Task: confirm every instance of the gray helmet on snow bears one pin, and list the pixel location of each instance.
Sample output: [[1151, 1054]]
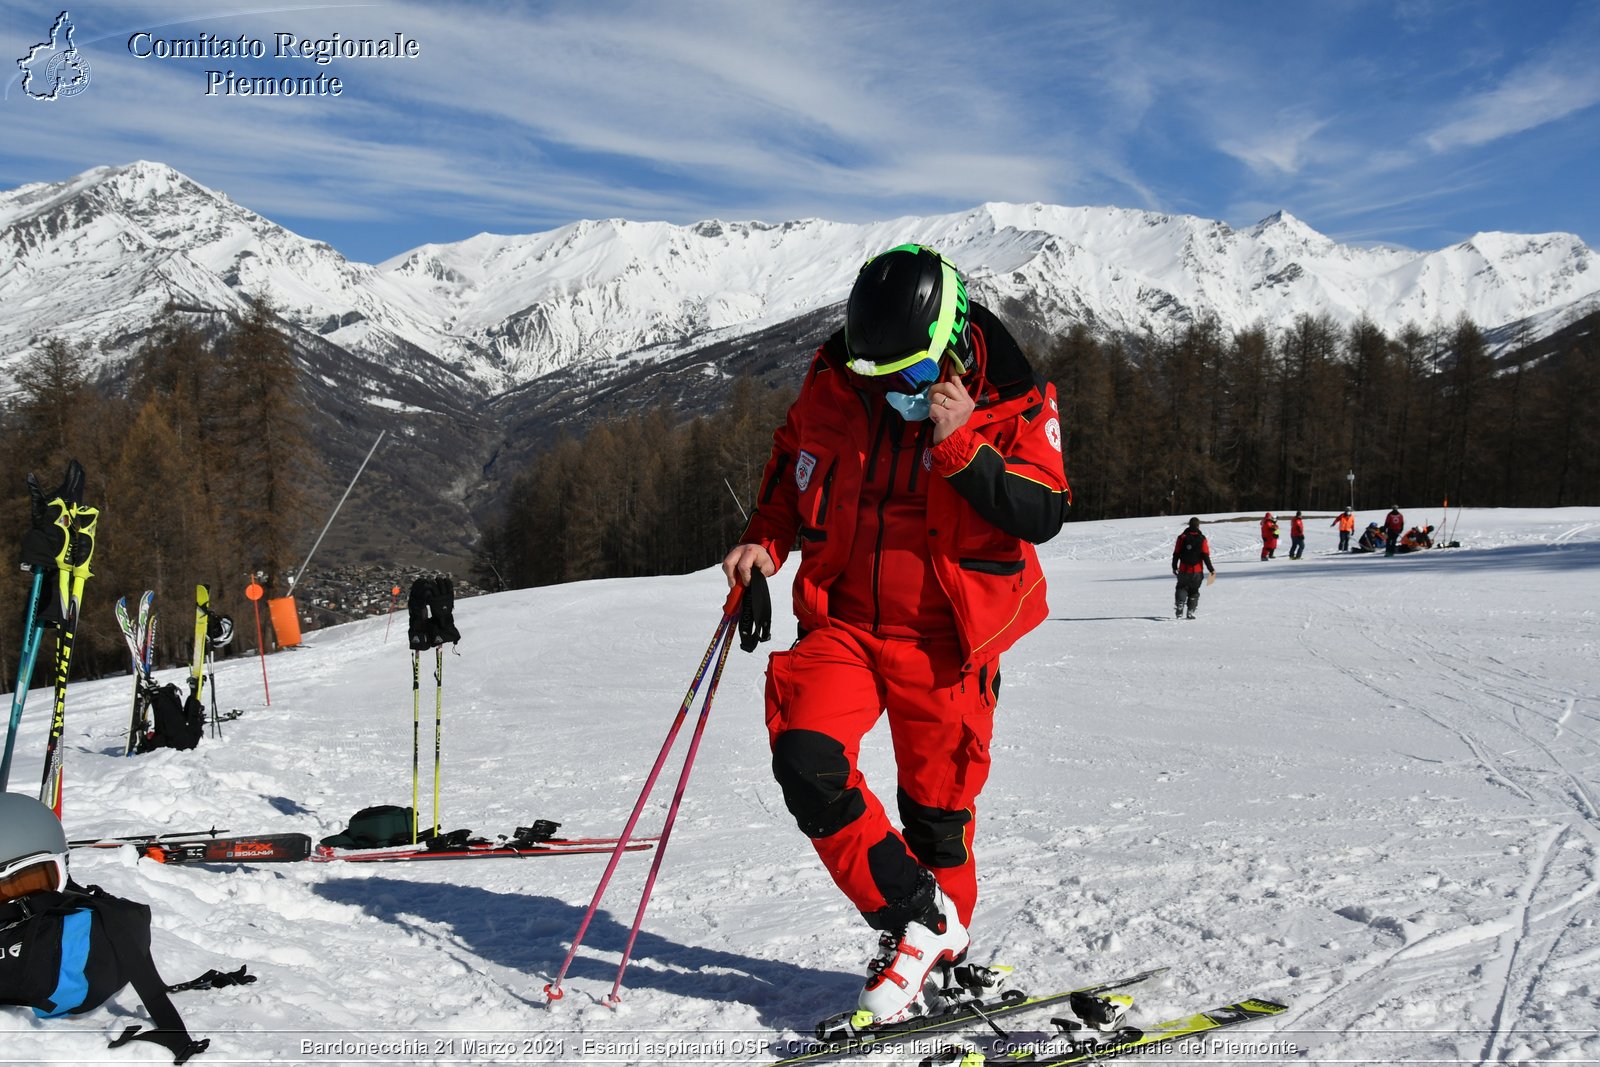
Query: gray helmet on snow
[[30, 836]]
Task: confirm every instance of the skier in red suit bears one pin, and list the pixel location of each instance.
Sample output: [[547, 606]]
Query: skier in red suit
[[918, 467], [1269, 536], [1394, 528]]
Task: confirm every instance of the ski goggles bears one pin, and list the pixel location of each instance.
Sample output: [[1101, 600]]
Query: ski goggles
[[40, 872], [952, 316]]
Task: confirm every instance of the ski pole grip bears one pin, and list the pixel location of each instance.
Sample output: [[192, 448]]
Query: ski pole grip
[[730, 606]]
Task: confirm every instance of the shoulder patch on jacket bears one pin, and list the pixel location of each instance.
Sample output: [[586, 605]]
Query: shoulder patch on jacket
[[803, 468]]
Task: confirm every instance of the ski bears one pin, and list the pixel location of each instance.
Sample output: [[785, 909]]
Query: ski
[[80, 522], [257, 848], [144, 839], [197, 657], [483, 852], [141, 639], [1127, 1041], [962, 1014]]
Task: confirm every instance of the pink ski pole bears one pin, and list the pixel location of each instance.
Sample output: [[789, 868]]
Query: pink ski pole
[[672, 816], [552, 989]]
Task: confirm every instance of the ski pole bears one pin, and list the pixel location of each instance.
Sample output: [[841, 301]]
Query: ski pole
[[672, 816], [438, 728], [30, 650], [416, 738], [552, 989], [211, 677]]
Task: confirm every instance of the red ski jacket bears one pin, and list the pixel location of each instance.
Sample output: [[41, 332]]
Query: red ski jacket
[[1297, 527], [997, 487]]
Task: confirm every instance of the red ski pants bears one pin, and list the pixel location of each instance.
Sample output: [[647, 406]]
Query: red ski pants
[[823, 696]]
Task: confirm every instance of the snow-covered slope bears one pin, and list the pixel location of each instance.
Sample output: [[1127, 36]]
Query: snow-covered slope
[[1363, 786], [93, 258]]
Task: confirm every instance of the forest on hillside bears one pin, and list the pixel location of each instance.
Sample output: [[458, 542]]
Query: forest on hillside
[[1203, 421], [195, 456]]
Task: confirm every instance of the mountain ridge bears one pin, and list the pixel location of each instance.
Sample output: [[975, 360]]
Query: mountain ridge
[[479, 351]]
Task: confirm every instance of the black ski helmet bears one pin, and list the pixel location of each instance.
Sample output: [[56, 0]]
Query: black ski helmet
[[907, 304], [30, 835]]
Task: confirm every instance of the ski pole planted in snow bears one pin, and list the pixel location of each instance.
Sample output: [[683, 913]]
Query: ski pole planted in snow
[[724, 635]]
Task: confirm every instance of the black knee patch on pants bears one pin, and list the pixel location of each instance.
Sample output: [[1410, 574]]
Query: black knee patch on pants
[[812, 770], [936, 836]]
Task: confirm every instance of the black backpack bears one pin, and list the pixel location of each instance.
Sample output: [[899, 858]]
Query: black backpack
[[178, 723], [67, 953], [1192, 548]]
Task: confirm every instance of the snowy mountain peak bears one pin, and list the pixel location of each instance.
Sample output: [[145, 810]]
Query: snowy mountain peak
[[1284, 229], [98, 255]]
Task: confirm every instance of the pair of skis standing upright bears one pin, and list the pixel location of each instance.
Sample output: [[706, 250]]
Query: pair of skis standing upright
[[212, 631], [56, 550]]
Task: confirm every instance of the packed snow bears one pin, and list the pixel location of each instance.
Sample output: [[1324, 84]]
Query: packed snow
[[1368, 788]]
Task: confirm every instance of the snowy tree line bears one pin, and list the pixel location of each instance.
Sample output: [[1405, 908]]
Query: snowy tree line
[[195, 457]]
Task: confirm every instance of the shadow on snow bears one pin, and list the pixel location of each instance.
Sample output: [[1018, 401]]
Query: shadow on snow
[[531, 934]]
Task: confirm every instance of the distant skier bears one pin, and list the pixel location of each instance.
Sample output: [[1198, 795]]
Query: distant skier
[[1191, 558], [1394, 527], [917, 468], [1347, 526], [1269, 536], [1297, 536]]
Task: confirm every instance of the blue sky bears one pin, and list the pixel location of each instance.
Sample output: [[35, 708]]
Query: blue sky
[[1413, 122]]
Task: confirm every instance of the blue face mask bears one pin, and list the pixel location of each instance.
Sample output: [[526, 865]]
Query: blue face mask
[[913, 407]]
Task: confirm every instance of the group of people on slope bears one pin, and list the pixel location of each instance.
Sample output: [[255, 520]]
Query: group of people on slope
[[1191, 555], [1269, 536]]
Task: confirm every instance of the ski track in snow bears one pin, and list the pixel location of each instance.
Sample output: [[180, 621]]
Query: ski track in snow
[[1366, 787]]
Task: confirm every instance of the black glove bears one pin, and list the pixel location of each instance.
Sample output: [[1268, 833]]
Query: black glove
[[755, 612]]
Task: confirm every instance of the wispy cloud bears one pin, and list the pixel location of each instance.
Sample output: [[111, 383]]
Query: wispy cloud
[[1526, 98], [521, 117]]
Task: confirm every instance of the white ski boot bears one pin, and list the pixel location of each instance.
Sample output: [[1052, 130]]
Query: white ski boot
[[905, 958]]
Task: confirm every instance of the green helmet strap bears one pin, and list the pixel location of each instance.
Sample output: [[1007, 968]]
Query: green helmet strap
[[952, 319]]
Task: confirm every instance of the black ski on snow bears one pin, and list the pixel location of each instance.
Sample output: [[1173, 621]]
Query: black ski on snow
[[216, 846], [486, 851], [1126, 1041], [964, 1014]]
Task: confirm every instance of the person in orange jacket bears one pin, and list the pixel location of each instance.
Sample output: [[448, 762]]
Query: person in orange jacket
[[1269, 536], [1347, 526], [917, 468]]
